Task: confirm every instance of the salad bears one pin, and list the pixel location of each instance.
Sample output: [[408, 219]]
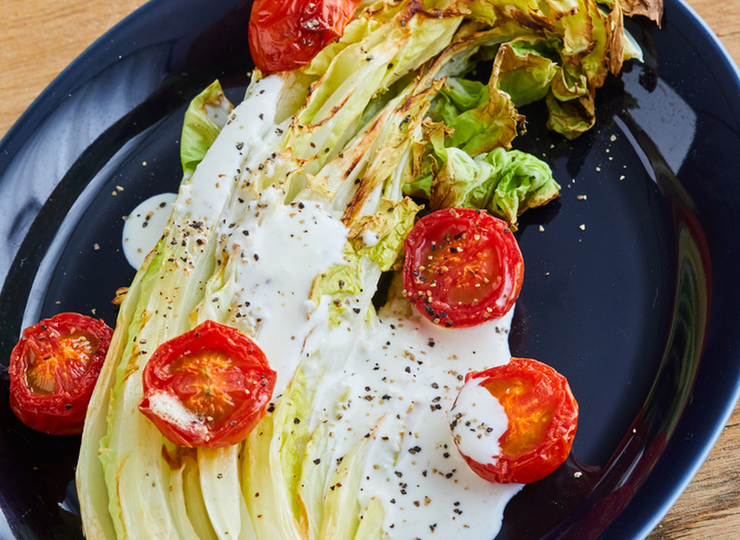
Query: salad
[[306, 240]]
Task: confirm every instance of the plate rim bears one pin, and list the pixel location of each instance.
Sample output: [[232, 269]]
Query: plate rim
[[684, 479]]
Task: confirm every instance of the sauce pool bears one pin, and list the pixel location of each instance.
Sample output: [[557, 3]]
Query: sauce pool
[[144, 226]]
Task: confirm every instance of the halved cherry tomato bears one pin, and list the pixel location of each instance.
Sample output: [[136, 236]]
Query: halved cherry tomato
[[462, 267], [542, 420], [286, 34], [207, 387], [53, 370]]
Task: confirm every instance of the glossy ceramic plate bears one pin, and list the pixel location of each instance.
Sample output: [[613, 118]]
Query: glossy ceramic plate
[[630, 286]]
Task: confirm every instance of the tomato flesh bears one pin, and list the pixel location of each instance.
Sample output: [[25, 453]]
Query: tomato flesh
[[542, 420], [287, 34], [207, 387], [462, 267], [205, 382], [53, 370]]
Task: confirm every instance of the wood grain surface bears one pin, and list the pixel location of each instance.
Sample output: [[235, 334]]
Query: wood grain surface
[[39, 38]]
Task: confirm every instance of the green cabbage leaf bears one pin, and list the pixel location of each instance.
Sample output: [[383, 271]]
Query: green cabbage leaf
[[504, 182]]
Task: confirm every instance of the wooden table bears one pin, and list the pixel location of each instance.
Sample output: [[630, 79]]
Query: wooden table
[[38, 38]]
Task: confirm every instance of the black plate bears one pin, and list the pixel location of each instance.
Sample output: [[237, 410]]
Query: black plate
[[621, 270]]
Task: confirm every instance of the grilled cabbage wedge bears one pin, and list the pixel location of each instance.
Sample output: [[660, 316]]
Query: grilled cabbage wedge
[[385, 112]]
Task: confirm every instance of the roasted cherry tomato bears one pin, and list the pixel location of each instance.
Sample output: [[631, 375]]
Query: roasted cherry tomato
[[207, 387], [53, 370], [286, 34], [462, 267], [542, 419]]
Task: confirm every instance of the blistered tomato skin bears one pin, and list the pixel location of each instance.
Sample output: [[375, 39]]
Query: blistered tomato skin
[[462, 267], [207, 387], [542, 415], [53, 370], [287, 34]]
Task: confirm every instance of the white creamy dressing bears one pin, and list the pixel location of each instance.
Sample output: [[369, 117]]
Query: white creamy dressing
[[388, 384], [167, 406], [277, 251], [144, 226], [394, 385], [479, 421], [369, 238], [246, 140]]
